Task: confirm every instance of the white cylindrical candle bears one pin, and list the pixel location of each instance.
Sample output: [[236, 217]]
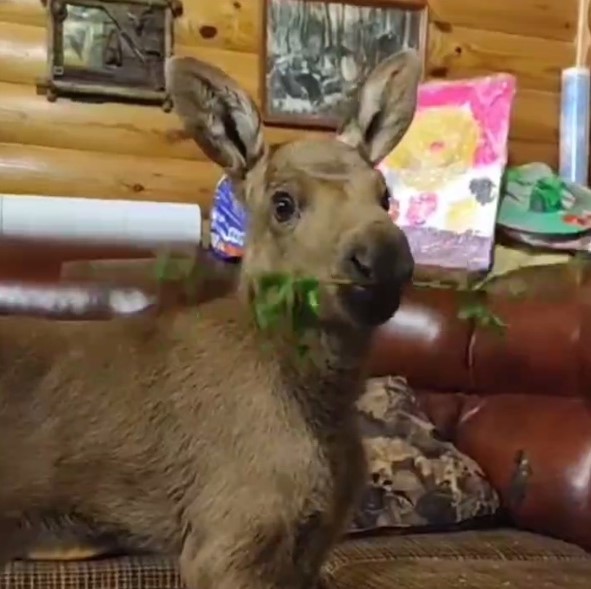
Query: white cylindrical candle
[[98, 222], [574, 125]]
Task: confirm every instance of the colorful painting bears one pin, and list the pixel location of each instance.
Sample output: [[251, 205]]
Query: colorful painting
[[445, 175]]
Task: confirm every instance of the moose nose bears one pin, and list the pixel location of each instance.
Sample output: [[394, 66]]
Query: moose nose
[[361, 265], [391, 263]]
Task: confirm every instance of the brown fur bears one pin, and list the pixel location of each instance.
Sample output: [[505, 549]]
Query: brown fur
[[194, 432]]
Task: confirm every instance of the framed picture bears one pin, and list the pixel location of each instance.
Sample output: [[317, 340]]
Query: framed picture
[[109, 48], [316, 53]]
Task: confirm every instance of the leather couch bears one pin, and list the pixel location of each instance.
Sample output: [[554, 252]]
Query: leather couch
[[518, 402]]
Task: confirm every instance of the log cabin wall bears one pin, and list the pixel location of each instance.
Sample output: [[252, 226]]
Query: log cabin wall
[[120, 151]]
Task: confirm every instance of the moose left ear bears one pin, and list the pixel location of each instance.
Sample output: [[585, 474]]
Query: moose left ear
[[217, 113], [385, 106]]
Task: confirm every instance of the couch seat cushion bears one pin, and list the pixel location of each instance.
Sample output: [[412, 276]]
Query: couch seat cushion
[[469, 560]]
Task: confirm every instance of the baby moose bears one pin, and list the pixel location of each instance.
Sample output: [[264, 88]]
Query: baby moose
[[195, 432]]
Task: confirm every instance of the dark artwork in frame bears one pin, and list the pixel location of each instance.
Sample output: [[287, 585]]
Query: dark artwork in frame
[[108, 48], [316, 53]]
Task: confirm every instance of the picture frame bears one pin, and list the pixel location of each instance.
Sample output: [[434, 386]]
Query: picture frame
[[110, 49], [317, 52]]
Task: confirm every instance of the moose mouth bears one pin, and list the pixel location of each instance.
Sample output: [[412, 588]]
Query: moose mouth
[[371, 304]]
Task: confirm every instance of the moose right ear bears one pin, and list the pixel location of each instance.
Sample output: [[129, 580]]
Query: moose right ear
[[217, 113], [385, 106]]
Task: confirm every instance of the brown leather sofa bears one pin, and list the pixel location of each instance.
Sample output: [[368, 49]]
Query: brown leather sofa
[[519, 402]]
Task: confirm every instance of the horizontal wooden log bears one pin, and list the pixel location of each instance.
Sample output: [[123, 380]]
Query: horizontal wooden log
[[22, 60], [225, 24], [27, 12], [454, 52], [228, 24], [28, 169], [546, 19], [23, 57], [39, 170], [524, 152], [23, 53], [148, 131], [30, 119], [535, 116], [236, 25], [459, 52], [27, 118]]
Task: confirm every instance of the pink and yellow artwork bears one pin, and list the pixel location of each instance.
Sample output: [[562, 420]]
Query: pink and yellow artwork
[[445, 174]]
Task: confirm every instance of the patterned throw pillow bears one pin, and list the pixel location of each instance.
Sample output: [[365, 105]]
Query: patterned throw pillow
[[416, 479]]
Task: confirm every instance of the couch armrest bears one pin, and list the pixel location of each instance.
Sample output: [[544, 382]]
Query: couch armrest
[[536, 451]]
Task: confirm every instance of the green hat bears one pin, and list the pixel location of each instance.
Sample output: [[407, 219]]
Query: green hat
[[535, 200]]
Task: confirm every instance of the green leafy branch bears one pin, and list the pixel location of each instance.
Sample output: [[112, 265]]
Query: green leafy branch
[[280, 298], [482, 316], [177, 269], [473, 305], [283, 300], [293, 302]]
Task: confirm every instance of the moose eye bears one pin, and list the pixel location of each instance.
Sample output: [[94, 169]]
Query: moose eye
[[284, 206], [385, 200]]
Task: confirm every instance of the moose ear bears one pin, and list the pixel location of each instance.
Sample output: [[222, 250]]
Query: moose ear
[[217, 113], [385, 106]]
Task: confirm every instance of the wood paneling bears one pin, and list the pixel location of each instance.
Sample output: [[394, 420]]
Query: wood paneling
[[461, 52], [227, 24], [28, 12], [96, 159], [545, 19], [524, 152], [125, 151], [28, 169], [535, 116], [141, 130], [144, 131], [26, 118], [22, 52], [233, 25], [30, 119]]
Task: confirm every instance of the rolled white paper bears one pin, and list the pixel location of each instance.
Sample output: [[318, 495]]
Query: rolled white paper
[[100, 222]]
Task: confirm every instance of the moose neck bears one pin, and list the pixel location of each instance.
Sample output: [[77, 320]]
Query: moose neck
[[326, 376], [323, 370]]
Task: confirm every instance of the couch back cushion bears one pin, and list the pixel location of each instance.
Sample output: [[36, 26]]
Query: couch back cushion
[[542, 348]]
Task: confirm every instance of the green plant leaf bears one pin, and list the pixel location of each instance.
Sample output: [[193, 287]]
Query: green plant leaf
[[482, 316], [285, 299], [161, 266], [273, 295], [469, 310], [173, 268]]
